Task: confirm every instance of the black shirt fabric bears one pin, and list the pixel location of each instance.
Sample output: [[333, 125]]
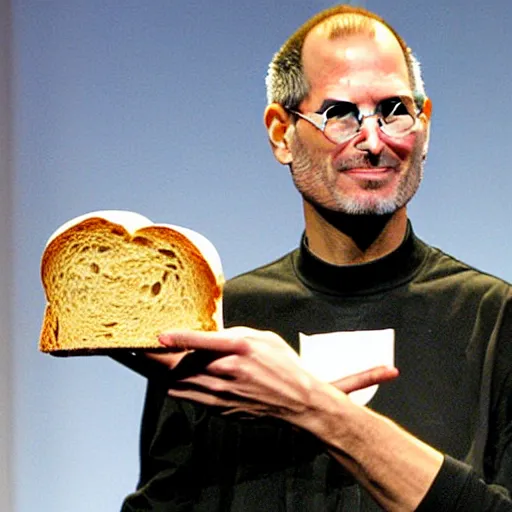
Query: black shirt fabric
[[453, 347]]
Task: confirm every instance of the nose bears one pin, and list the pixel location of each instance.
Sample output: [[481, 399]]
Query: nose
[[368, 139]]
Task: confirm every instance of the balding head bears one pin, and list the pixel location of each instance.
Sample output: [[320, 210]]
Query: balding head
[[286, 81], [339, 47]]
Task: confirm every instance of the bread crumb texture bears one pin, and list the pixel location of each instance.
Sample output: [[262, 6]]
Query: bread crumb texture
[[108, 289]]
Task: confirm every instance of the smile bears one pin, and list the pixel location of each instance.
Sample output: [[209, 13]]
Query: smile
[[370, 173]]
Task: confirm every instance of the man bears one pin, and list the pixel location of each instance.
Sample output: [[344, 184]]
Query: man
[[251, 428]]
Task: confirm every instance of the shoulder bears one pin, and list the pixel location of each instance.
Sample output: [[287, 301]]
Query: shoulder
[[447, 271], [264, 278]]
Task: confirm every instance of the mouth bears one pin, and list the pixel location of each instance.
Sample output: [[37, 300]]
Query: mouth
[[370, 173]]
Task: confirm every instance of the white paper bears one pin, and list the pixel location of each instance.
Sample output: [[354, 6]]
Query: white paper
[[334, 355]]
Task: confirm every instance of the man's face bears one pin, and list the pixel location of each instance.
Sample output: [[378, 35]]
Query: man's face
[[371, 173]]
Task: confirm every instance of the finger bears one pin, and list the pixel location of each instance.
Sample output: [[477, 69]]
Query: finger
[[211, 384], [205, 398], [227, 366], [169, 359], [231, 406], [217, 341], [195, 362], [252, 410], [366, 378], [205, 382]]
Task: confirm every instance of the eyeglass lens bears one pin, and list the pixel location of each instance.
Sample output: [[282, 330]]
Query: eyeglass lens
[[343, 119]]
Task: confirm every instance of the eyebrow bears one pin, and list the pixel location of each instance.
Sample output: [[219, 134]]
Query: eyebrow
[[329, 102]]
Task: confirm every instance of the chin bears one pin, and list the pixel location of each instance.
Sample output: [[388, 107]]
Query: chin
[[381, 209], [367, 206], [379, 201]]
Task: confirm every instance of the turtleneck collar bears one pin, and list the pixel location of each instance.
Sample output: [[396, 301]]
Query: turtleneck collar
[[392, 270]]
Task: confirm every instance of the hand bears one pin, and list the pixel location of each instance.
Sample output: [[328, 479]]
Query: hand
[[245, 370], [256, 372], [169, 359]]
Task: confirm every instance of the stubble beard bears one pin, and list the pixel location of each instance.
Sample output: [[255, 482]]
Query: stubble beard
[[312, 176]]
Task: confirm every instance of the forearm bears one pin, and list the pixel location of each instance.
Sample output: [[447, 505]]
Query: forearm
[[257, 373], [395, 467]]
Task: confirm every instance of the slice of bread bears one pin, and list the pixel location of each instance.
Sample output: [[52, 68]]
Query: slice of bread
[[113, 279]]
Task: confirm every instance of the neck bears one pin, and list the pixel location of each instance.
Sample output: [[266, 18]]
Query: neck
[[343, 239]]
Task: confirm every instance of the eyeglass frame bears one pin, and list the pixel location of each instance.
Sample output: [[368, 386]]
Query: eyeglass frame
[[426, 105]]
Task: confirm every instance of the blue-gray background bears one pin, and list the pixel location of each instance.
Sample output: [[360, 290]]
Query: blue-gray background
[[156, 106]]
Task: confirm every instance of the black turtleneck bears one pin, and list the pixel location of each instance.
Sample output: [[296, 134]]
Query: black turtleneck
[[448, 319], [385, 273]]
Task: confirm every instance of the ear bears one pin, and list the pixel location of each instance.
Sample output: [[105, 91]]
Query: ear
[[278, 122], [425, 115], [427, 108]]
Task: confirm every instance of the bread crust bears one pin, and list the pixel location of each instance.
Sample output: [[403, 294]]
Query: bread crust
[[109, 289]]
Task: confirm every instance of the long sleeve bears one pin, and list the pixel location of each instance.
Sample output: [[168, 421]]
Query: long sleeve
[[457, 488], [166, 455]]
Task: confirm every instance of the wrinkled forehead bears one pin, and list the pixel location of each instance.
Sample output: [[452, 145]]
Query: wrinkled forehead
[[331, 55]]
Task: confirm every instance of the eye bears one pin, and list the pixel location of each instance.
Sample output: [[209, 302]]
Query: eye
[[341, 110], [393, 107]]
